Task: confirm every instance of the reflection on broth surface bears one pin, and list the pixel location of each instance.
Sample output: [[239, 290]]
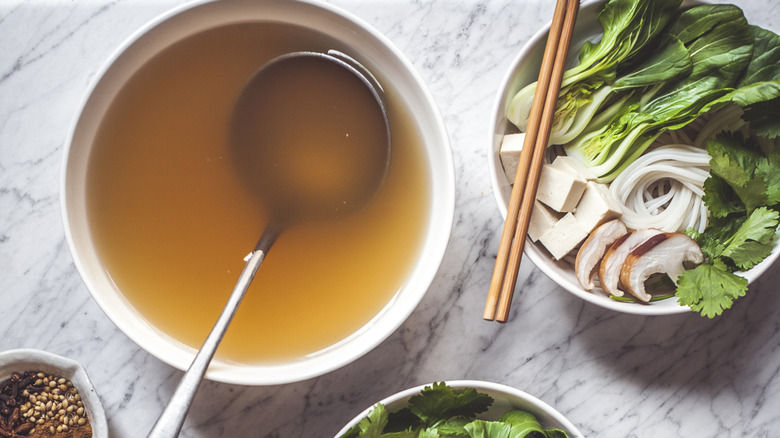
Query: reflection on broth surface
[[172, 221]]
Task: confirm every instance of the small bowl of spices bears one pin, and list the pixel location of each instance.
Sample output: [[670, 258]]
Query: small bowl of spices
[[46, 395]]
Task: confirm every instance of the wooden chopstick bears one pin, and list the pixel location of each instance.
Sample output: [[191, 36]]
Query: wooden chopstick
[[523, 167], [526, 181]]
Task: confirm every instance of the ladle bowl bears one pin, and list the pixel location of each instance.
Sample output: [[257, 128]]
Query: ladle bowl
[[310, 136]]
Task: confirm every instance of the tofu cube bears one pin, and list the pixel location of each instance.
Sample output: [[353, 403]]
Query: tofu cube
[[511, 146], [596, 206], [559, 190], [573, 166], [563, 237], [542, 219]]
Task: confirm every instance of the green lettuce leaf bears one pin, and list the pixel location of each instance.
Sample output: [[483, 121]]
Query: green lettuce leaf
[[528, 422], [512, 424]]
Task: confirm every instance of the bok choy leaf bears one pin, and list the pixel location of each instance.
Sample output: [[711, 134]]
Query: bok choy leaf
[[629, 25], [720, 44]]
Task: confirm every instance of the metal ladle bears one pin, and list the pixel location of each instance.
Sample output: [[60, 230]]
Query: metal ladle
[[292, 195]]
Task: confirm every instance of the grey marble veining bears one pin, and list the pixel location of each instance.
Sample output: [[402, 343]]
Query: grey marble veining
[[613, 375]]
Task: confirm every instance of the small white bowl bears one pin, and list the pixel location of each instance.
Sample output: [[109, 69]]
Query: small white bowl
[[26, 359], [377, 53], [504, 399], [523, 71]]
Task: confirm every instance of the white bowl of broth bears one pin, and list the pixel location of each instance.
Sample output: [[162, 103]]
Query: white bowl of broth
[[159, 223], [524, 70]]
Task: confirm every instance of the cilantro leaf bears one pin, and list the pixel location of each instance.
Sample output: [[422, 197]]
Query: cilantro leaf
[[754, 239], [769, 170], [735, 160], [454, 428], [764, 118], [720, 198], [371, 426], [710, 289], [401, 420], [717, 234], [438, 403], [425, 433]]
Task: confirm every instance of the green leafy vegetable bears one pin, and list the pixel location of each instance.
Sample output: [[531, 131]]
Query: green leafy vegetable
[[760, 81], [657, 69], [720, 44], [441, 411], [629, 26], [372, 425], [628, 299], [709, 289], [440, 403], [741, 192], [753, 176], [753, 240], [764, 118], [720, 198]]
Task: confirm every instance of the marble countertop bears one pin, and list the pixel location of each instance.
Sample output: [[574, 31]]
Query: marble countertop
[[613, 375]]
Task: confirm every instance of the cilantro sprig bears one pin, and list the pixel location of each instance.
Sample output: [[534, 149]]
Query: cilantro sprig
[[742, 195], [441, 411]]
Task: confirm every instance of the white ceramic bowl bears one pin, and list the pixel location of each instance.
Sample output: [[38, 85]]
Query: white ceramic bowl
[[505, 398], [523, 71], [27, 359], [373, 50]]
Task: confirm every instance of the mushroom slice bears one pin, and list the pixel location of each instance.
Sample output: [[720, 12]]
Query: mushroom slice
[[593, 249], [662, 253], [611, 264]]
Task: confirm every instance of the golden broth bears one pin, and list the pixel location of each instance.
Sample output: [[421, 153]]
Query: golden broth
[[172, 221]]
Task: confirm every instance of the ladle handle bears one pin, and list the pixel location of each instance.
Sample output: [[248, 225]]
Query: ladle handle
[[172, 418]]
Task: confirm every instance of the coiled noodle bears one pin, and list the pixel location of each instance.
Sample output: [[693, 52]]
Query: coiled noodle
[[663, 189]]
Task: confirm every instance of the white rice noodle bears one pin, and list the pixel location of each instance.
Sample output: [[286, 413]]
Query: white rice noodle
[[727, 119], [663, 188]]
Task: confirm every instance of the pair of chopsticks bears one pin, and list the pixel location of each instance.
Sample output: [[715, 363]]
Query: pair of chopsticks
[[529, 168]]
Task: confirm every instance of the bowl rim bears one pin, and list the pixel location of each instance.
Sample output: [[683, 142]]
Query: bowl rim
[[532, 250], [540, 408], [30, 359], [429, 256]]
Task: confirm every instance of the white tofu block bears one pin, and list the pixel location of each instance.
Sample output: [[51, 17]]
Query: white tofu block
[[563, 237], [543, 218], [511, 146], [573, 166], [596, 206], [559, 190]]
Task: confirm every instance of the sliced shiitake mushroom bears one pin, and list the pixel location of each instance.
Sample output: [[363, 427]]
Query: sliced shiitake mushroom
[[612, 262], [593, 249], [662, 253]]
